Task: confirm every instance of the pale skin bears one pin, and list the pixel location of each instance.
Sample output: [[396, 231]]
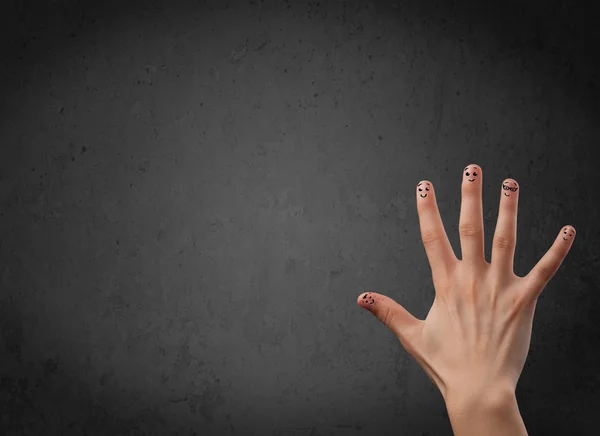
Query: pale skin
[[475, 339]]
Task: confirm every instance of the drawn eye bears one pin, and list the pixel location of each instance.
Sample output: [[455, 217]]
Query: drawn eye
[[420, 189], [514, 189], [427, 189], [506, 188], [474, 174], [565, 232], [467, 174]]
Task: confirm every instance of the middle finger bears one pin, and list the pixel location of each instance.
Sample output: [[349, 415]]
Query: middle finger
[[470, 226]]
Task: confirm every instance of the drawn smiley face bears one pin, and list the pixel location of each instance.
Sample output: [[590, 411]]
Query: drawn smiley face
[[568, 234], [509, 186], [472, 172], [368, 299], [423, 189]]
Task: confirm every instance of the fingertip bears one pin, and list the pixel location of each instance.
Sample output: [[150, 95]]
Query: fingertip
[[509, 190], [424, 189], [366, 300], [567, 232], [472, 173], [474, 167]]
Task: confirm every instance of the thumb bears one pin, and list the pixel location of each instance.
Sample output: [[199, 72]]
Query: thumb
[[391, 314]]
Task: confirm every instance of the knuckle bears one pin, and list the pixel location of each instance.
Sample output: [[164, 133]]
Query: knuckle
[[426, 206], [470, 190], [440, 276], [430, 237], [469, 229], [543, 273], [503, 242], [387, 317]]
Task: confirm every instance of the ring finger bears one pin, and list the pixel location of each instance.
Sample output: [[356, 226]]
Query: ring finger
[[505, 236]]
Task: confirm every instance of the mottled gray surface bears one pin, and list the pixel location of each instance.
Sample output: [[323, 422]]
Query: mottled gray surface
[[194, 195]]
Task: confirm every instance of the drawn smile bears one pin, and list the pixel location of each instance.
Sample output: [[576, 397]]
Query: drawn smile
[[508, 188], [471, 173], [568, 234], [426, 185], [366, 297]]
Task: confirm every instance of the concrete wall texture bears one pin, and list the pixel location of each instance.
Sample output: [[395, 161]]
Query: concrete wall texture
[[195, 193]]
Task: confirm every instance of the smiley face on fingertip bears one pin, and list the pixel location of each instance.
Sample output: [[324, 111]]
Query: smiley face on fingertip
[[472, 172], [423, 188], [368, 298], [509, 186], [568, 233]]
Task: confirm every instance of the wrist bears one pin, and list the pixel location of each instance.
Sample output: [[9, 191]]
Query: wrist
[[461, 401], [491, 413]]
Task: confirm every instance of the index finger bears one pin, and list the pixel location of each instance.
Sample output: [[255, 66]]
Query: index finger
[[435, 240]]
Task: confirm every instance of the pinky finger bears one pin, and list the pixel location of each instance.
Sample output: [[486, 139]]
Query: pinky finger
[[548, 265]]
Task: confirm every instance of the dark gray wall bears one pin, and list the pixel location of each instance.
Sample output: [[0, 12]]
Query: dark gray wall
[[194, 195]]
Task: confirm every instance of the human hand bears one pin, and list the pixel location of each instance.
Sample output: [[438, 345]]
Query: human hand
[[476, 336]]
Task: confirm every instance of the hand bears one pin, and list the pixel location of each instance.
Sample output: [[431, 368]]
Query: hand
[[475, 339]]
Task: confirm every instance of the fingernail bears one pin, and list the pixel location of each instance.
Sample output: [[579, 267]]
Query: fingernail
[[510, 188], [472, 173], [423, 189], [567, 233]]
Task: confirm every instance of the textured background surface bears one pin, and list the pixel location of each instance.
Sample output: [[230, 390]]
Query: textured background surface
[[195, 193]]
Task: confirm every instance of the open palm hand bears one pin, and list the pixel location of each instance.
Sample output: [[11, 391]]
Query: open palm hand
[[476, 336]]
